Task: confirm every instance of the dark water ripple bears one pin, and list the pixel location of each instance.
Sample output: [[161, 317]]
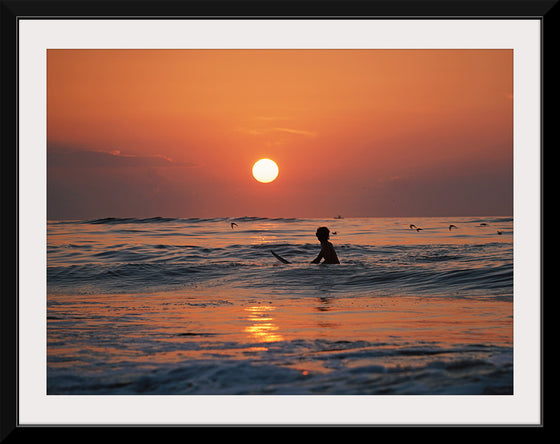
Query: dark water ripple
[[136, 255]]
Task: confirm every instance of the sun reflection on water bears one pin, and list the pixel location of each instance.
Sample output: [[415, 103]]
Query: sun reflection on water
[[262, 327]]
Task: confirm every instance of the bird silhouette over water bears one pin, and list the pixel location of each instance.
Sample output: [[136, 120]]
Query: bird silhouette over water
[[233, 224], [412, 226], [451, 226]]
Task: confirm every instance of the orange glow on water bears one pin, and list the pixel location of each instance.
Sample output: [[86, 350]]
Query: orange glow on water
[[178, 318], [262, 328]]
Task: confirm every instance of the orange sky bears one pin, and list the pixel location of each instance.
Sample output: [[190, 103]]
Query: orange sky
[[140, 133]]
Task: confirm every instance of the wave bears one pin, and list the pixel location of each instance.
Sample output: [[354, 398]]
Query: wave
[[136, 254], [353, 367], [494, 219], [161, 219], [360, 276], [158, 219], [129, 220]]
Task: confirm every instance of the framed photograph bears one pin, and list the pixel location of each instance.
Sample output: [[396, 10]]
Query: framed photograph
[[275, 216]]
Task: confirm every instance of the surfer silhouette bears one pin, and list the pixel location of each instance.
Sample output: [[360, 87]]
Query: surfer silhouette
[[327, 250]]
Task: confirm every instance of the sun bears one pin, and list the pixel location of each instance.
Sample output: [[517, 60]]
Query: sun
[[265, 170]]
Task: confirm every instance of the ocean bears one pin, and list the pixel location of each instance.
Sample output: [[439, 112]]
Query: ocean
[[193, 306]]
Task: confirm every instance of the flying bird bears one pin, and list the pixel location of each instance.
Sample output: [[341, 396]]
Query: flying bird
[[451, 226], [418, 229], [412, 226], [499, 232], [233, 224]]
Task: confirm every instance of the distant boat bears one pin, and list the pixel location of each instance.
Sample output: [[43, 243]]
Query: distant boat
[[339, 217]]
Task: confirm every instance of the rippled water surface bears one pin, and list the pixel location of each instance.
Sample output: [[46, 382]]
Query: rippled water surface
[[200, 306]]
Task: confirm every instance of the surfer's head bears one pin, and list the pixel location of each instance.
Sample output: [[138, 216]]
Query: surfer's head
[[322, 233]]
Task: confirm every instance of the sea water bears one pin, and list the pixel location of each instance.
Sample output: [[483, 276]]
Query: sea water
[[200, 306]]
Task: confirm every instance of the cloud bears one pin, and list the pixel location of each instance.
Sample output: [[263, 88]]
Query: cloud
[[65, 158], [273, 126], [277, 130], [296, 131]]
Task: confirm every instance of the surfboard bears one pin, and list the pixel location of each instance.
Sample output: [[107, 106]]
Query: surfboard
[[280, 258]]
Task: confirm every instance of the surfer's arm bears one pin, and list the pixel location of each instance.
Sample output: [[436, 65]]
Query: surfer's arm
[[318, 258]]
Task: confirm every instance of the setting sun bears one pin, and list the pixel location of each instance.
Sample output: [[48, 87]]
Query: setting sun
[[265, 170]]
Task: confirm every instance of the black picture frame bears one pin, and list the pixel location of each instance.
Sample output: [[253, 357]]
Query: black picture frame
[[12, 11]]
